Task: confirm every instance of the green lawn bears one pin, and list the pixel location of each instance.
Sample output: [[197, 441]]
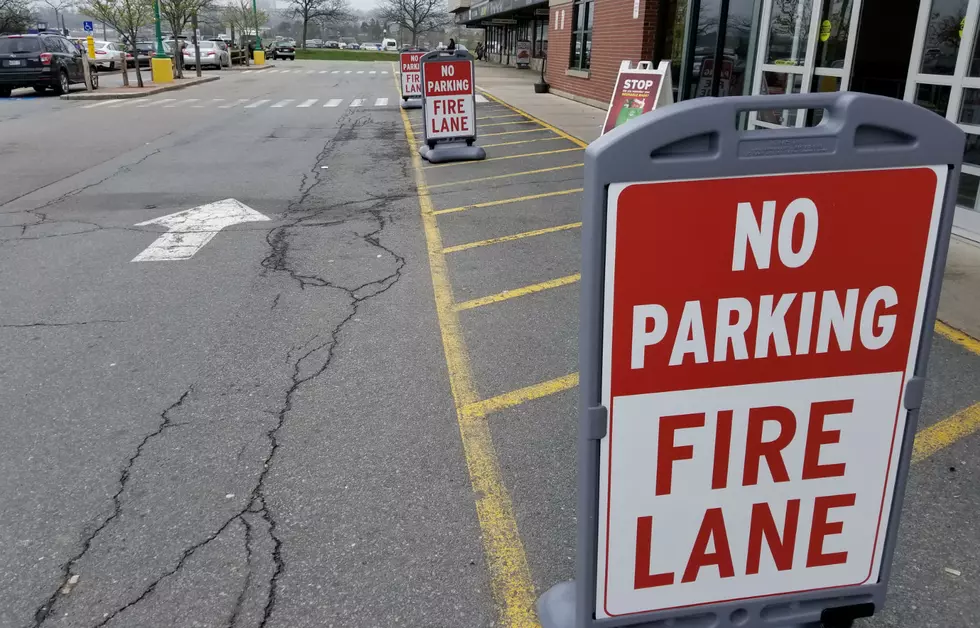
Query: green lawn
[[333, 54]]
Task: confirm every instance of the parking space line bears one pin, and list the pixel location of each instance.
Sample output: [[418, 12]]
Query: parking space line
[[517, 292], [946, 432], [505, 201], [505, 176], [512, 132], [509, 115], [522, 395], [515, 142], [539, 121], [964, 340], [506, 123], [509, 574], [511, 238], [545, 152]]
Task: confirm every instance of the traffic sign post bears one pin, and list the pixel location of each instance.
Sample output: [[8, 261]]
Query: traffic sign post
[[639, 90], [449, 107], [411, 79], [756, 315]]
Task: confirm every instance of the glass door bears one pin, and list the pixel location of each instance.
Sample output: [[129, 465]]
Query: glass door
[[944, 76], [807, 47]]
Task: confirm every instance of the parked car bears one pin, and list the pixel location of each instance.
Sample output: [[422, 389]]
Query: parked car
[[314, 43], [370, 46], [213, 54], [389, 45], [332, 44], [354, 46], [282, 50], [109, 54], [40, 61]]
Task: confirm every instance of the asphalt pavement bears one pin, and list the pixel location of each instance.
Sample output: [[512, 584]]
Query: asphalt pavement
[[355, 413]]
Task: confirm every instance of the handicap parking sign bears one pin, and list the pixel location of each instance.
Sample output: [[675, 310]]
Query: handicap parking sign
[[87, 26]]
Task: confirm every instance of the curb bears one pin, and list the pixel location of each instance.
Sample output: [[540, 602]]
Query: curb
[[250, 68], [141, 94]]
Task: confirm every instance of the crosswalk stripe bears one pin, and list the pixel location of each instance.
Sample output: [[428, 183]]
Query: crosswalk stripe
[[322, 72], [346, 71], [307, 103], [384, 71], [283, 103], [481, 98], [153, 103], [124, 103], [183, 102], [97, 104], [336, 72], [373, 72], [310, 71], [214, 101], [333, 102], [360, 71], [237, 102], [381, 102], [270, 71], [357, 102], [257, 103]]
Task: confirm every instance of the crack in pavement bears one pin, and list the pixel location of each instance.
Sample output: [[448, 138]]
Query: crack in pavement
[[45, 610], [70, 324]]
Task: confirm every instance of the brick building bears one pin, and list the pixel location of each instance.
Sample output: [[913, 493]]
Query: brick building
[[923, 51]]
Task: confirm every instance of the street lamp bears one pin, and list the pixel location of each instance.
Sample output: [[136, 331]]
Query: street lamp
[[258, 40], [156, 17], [161, 69]]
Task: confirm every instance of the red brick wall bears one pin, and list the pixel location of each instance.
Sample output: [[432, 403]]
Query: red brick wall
[[616, 37]]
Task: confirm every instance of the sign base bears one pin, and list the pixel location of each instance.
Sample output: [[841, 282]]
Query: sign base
[[451, 151], [556, 607], [411, 103]]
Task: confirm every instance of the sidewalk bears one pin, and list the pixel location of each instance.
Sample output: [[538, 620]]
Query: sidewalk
[[959, 306]]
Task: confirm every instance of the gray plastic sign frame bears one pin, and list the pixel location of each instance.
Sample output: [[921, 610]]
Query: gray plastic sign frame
[[446, 55], [698, 139]]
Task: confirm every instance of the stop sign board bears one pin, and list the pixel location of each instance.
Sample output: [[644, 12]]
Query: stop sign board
[[449, 99], [756, 348], [411, 74]]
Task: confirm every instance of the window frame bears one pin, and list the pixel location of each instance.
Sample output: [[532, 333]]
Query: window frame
[[582, 62]]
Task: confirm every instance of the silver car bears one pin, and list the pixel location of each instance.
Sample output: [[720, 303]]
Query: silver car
[[213, 54]]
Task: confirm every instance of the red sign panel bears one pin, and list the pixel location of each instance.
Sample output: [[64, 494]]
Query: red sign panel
[[758, 335], [449, 110], [448, 78], [636, 93], [411, 76]]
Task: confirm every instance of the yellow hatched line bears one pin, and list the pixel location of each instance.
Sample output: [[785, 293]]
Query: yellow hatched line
[[946, 432], [505, 176], [510, 576], [963, 339], [470, 163], [506, 201], [537, 139], [522, 395], [506, 123], [509, 115], [531, 118], [517, 292], [512, 132], [510, 238]]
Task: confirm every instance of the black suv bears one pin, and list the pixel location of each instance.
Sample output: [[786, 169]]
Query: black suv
[[40, 61], [282, 50]]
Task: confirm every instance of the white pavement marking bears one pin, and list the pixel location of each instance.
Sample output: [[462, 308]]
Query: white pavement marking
[[373, 72], [248, 72], [270, 71], [346, 71], [322, 72], [333, 102], [360, 71], [213, 102], [481, 98], [186, 101], [234, 104], [381, 102], [189, 230], [257, 103], [386, 71], [128, 102], [307, 103], [310, 71], [157, 102], [336, 72], [282, 103], [97, 104], [357, 102]]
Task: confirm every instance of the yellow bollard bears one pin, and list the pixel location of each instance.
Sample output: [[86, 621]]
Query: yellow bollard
[[162, 70], [259, 57]]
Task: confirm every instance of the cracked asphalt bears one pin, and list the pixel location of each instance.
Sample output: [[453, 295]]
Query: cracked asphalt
[[261, 435]]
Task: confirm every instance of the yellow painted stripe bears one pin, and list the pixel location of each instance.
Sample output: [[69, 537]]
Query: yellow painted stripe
[[505, 176], [517, 292], [506, 123], [511, 132], [521, 395], [539, 121], [537, 139], [510, 576], [509, 115], [510, 238], [944, 433], [966, 341], [506, 201], [470, 163]]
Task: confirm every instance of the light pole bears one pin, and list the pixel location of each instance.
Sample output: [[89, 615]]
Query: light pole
[[161, 68], [259, 55], [156, 18]]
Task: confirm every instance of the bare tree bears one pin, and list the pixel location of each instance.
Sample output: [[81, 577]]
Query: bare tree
[[127, 17], [239, 16], [15, 16], [416, 16], [59, 7], [178, 14], [323, 12]]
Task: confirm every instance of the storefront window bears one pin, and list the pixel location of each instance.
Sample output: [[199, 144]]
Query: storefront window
[[835, 24], [540, 39], [966, 195], [970, 108], [780, 83], [971, 152], [942, 41], [582, 17], [933, 97], [789, 31]]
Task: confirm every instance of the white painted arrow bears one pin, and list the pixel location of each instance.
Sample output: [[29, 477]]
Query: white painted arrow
[[191, 229]]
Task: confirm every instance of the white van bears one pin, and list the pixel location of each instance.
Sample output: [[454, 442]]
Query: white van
[[389, 45]]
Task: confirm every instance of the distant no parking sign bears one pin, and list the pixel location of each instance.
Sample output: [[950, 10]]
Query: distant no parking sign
[[411, 74]]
